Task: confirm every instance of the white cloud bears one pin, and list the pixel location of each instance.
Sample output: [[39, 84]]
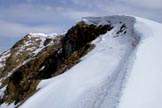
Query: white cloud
[[25, 18], [151, 9], [16, 29], [22, 19], [152, 4], [77, 15]]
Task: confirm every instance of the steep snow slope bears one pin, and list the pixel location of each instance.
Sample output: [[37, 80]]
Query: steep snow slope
[[122, 71]]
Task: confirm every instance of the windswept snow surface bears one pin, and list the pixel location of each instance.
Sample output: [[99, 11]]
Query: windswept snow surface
[[120, 72], [143, 87]]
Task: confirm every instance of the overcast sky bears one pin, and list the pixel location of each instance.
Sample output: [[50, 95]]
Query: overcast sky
[[19, 17]]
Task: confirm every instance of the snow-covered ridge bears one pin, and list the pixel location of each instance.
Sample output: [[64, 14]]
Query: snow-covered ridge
[[123, 25], [106, 20], [124, 70], [95, 82]]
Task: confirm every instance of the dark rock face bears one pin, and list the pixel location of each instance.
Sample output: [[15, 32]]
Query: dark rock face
[[52, 60], [122, 29], [80, 35]]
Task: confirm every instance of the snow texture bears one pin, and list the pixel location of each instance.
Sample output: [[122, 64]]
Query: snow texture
[[143, 88]]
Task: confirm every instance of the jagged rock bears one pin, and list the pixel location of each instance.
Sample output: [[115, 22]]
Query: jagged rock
[[23, 50], [25, 78], [80, 35]]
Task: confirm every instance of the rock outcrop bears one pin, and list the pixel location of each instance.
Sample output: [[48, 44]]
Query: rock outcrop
[[35, 58]]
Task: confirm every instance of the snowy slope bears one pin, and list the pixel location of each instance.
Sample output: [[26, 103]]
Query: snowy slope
[[143, 88], [122, 71]]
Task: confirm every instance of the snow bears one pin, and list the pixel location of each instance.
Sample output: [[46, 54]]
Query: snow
[[3, 58], [1, 65], [42, 34], [4, 105], [2, 91]]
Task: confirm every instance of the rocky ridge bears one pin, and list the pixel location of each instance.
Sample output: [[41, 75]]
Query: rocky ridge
[[38, 56]]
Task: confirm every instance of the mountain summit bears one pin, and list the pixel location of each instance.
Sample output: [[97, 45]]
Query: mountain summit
[[101, 62]]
